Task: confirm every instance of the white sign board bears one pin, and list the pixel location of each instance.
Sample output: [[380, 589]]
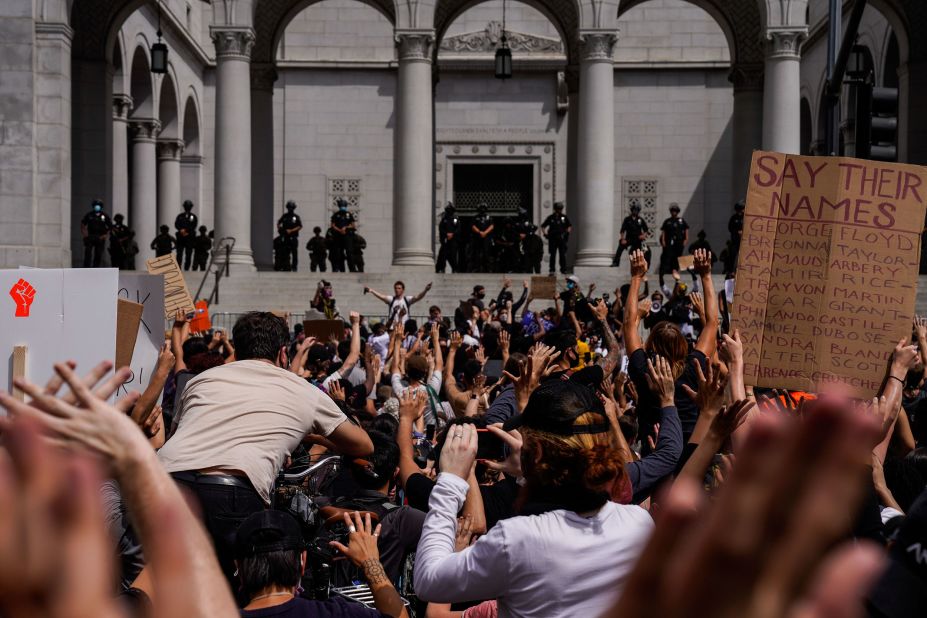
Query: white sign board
[[148, 291], [59, 315]]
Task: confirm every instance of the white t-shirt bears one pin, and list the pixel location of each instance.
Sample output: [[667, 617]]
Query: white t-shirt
[[248, 416], [380, 345], [555, 564], [396, 305]]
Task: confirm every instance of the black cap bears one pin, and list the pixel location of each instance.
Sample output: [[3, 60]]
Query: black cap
[[741, 205], [449, 207], [674, 207], [342, 202], [291, 205], [203, 228], [187, 205], [97, 203], [482, 207], [267, 531], [902, 590], [558, 205], [118, 217], [554, 407], [635, 208]]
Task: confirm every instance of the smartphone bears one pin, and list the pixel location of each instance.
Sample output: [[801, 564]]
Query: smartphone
[[489, 446], [725, 313]]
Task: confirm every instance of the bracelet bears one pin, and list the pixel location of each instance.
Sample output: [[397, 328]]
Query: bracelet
[[891, 377]]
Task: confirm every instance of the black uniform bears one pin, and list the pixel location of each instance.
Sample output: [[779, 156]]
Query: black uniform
[[342, 249], [163, 244], [633, 227], [118, 244], [97, 225], [317, 250], [481, 247], [448, 233], [508, 245], [532, 248], [674, 231], [202, 246], [185, 224], [289, 221], [736, 227], [557, 228]]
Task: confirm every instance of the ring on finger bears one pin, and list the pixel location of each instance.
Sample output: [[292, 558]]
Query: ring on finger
[[352, 529]]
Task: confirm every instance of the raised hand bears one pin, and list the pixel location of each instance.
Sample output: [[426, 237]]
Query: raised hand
[[904, 356], [698, 304], [455, 341], [702, 262], [661, 381], [729, 418], [638, 264], [23, 294], [643, 308], [464, 532], [539, 358], [459, 450], [505, 340], [335, 390], [731, 349], [711, 385], [354, 317], [480, 355], [412, 405], [600, 310], [362, 539]]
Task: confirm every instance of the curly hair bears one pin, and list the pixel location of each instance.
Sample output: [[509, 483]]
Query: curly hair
[[571, 468]]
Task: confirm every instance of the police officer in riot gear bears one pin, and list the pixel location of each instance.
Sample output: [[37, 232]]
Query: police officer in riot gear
[[317, 248], [95, 227], [532, 250], [185, 224], [634, 232], [556, 228], [342, 230], [288, 227], [163, 243], [481, 240], [448, 231], [201, 249], [736, 227], [674, 236], [118, 242]]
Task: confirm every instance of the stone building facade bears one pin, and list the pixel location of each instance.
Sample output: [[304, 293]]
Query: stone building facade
[[393, 106]]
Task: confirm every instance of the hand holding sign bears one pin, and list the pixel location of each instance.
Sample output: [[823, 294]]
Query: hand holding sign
[[22, 294]]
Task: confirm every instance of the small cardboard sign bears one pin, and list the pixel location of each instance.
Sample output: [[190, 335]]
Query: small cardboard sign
[[128, 319], [176, 295], [148, 291], [324, 330], [543, 287], [827, 270], [686, 262]]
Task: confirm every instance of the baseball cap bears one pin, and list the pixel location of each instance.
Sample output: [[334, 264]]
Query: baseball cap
[[573, 278], [268, 531], [674, 207], [554, 407], [901, 592]]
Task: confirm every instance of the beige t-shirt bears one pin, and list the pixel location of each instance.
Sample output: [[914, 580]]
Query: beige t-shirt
[[247, 415]]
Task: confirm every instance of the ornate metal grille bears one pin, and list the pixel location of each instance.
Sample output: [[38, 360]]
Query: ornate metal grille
[[348, 189], [643, 192]]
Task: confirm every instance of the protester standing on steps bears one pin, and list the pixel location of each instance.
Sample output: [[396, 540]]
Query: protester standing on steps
[[185, 224], [399, 304]]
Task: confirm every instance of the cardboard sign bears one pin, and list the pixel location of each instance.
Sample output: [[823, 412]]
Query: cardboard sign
[[128, 319], [686, 262], [176, 296], [543, 287], [56, 315], [324, 330], [827, 270], [148, 291]]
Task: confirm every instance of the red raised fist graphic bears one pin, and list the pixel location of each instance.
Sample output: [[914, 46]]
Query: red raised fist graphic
[[23, 294]]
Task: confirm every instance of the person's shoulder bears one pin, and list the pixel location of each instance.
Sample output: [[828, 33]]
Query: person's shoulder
[[630, 513]]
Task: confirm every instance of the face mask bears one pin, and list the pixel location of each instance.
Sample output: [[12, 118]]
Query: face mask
[[97, 208], [570, 285], [342, 208], [327, 293]]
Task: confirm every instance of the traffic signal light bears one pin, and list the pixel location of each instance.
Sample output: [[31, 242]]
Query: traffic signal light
[[884, 124]]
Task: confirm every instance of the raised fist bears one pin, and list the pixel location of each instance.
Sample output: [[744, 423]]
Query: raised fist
[[22, 294]]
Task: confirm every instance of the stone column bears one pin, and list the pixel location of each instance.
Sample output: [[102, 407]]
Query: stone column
[[747, 122], [233, 138], [122, 105], [144, 208], [413, 191], [263, 205], [782, 91], [594, 214], [191, 188], [169, 204]]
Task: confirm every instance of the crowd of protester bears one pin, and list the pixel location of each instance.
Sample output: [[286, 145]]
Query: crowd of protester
[[600, 457]]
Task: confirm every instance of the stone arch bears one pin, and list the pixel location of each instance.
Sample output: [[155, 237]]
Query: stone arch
[[563, 14], [891, 61], [140, 84], [119, 64], [168, 106], [191, 125], [740, 20], [96, 24], [271, 18]]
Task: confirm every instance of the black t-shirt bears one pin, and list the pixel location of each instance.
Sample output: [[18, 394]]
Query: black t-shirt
[[402, 529], [97, 223], [303, 608], [342, 220], [648, 408], [498, 499], [288, 221], [557, 227], [632, 227], [186, 222], [675, 229]]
